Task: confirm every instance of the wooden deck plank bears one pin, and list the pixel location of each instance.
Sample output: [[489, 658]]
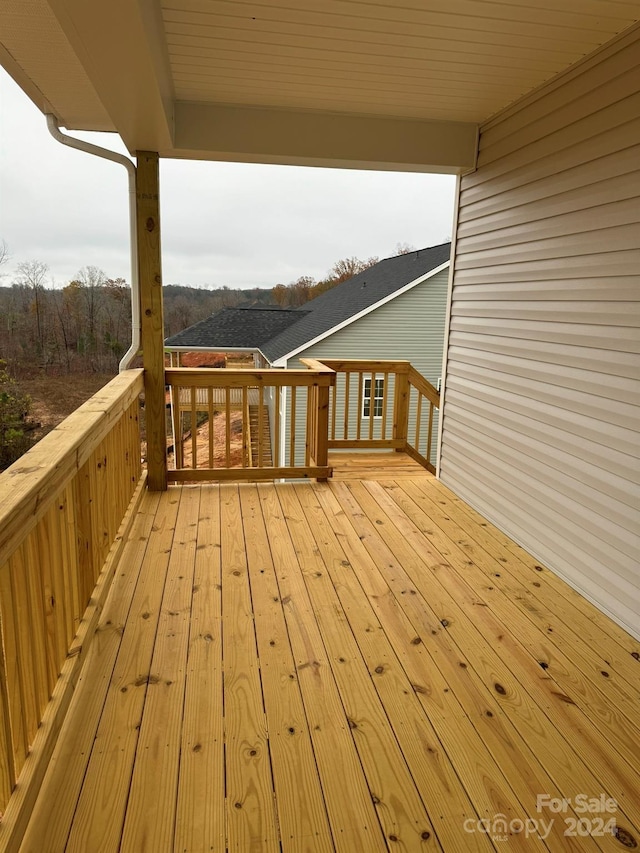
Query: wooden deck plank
[[401, 811], [483, 752], [251, 819], [526, 693], [54, 810], [302, 815], [348, 800], [608, 699], [565, 680], [200, 813], [100, 813], [605, 639], [347, 674], [364, 597], [150, 818], [374, 466]]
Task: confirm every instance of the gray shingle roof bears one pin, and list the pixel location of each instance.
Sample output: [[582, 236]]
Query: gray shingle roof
[[345, 300], [236, 328], [278, 332]]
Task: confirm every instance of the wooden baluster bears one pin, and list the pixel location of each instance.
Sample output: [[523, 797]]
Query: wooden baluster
[[194, 429], [211, 425], [292, 432]]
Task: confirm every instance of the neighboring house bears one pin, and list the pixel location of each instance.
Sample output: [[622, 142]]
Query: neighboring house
[[393, 310]]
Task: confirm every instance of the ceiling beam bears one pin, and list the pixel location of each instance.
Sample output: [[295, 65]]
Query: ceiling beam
[[305, 138], [121, 47]]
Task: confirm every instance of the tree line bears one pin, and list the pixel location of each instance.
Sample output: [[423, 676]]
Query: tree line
[[85, 326]]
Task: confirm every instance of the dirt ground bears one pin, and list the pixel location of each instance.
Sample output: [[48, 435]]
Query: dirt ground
[[55, 397], [219, 444]]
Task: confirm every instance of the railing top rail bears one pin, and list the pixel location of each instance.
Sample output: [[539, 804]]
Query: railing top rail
[[356, 365], [424, 387], [31, 484], [186, 377], [315, 364]]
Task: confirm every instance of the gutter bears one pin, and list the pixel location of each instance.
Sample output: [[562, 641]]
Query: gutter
[[106, 154]]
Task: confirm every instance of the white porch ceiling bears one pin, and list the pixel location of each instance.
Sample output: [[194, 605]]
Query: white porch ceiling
[[390, 84]]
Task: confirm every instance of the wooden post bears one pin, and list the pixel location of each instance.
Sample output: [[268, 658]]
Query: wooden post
[[401, 408], [322, 428], [150, 272]]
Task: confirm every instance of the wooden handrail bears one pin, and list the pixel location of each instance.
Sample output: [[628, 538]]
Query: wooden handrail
[[64, 508], [207, 383], [369, 431], [424, 387], [385, 424], [187, 377], [30, 486]]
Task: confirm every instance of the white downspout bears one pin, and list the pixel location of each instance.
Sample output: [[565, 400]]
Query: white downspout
[[90, 148]]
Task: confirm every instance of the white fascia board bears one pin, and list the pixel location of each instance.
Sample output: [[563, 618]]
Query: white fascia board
[[281, 362]]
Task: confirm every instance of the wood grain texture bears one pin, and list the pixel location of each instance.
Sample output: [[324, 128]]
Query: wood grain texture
[[152, 324], [358, 665]]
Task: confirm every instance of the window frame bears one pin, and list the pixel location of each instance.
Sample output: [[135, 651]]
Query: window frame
[[378, 397]]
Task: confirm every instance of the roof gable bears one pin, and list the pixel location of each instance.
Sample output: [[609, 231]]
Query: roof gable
[[280, 333], [351, 299]]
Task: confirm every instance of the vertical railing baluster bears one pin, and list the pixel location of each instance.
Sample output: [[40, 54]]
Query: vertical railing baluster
[[277, 392], [292, 427], [177, 427], [260, 426], [247, 449], [194, 429], [418, 421], [385, 403], [211, 429], [227, 437], [372, 401], [347, 403]]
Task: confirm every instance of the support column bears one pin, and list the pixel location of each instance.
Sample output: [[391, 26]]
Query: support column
[[152, 322]]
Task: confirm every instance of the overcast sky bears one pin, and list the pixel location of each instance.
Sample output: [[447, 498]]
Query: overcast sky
[[222, 223]]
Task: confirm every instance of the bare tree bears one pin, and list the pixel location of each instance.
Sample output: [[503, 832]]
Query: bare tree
[[404, 248], [31, 277], [4, 254]]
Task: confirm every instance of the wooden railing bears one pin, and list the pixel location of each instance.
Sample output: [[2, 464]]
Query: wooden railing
[[64, 511], [424, 400], [220, 399], [382, 405], [333, 404]]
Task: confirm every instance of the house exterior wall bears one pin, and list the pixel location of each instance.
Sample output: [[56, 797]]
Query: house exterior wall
[[541, 412], [409, 327]]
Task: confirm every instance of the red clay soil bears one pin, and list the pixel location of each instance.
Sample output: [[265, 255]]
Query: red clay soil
[[219, 444]]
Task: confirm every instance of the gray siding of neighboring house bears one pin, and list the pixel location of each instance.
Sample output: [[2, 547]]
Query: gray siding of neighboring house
[[541, 412], [409, 327]]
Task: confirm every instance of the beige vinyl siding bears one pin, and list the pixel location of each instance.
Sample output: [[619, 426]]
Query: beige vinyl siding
[[409, 327], [541, 415]]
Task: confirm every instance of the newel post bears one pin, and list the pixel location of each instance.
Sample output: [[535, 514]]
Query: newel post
[[322, 428], [401, 408], [152, 322]]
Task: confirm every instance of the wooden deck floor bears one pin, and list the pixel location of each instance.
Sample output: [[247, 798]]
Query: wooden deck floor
[[358, 666]]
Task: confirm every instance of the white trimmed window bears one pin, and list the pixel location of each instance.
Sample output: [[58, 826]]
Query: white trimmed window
[[376, 402]]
